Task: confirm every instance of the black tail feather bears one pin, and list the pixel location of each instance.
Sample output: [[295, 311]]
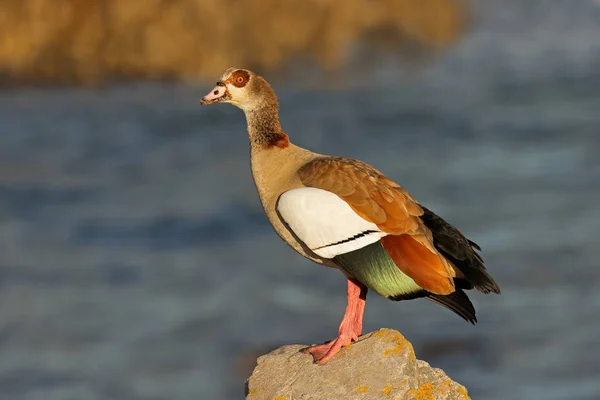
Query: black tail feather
[[460, 251], [458, 302], [474, 245]]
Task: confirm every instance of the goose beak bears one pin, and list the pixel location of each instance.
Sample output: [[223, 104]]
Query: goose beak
[[217, 95]]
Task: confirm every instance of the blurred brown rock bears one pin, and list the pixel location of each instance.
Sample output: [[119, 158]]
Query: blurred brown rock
[[90, 41], [381, 365]]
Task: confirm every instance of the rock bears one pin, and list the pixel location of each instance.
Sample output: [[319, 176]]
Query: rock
[[380, 365]]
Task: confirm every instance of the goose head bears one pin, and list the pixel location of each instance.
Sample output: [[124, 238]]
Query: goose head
[[243, 89]]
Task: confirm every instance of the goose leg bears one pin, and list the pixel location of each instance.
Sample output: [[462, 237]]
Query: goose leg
[[350, 328]]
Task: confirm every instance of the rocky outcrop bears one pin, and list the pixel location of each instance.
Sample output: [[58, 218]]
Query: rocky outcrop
[[380, 365]]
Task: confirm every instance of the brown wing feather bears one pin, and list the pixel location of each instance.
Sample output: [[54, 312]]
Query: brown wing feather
[[415, 260], [383, 202], [370, 194]]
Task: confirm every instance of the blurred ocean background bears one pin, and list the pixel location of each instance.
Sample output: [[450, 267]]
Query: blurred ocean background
[[136, 263]]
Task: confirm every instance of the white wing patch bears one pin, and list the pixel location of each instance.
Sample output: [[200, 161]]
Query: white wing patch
[[325, 222]]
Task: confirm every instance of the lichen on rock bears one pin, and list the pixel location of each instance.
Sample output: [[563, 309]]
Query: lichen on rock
[[380, 365]]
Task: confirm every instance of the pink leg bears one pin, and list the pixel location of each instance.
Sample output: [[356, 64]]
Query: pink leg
[[350, 328]]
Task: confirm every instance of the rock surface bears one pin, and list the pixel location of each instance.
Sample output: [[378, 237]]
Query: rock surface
[[380, 365]]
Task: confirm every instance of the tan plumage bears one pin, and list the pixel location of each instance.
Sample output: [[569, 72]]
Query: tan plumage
[[374, 231]]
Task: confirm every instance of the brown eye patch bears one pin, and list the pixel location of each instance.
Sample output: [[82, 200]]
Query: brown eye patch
[[239, 78]]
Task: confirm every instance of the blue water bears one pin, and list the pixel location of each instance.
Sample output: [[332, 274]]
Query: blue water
[[135, 261]]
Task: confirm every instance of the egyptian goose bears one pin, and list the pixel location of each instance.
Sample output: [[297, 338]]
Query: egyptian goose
[[345, 214]]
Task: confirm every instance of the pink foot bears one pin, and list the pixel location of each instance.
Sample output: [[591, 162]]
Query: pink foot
[[323, 352], [350, 328]]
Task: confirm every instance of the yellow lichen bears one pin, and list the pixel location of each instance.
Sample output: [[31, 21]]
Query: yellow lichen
[[444, 386], [387, 390], [362, 389], [394, 351], [463, 390], [279, 398], [380, 333], [399, 341], [424, 392], [398, 338], [252, 391]]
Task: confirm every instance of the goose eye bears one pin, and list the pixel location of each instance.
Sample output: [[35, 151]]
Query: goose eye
[[240, 78]]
